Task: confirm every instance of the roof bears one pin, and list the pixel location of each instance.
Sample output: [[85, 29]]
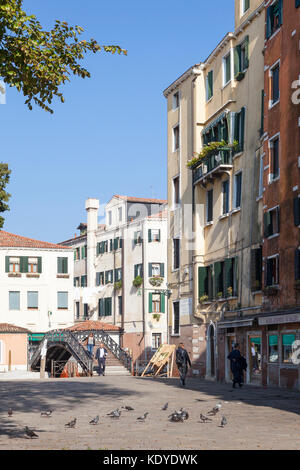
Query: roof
[[93, 325], [141, 199], [11, 240], [9, 328]]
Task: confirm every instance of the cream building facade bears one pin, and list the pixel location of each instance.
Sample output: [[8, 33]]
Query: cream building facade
[[219, 101]]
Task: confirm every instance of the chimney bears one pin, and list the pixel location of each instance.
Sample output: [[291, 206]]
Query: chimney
[[91, 206]]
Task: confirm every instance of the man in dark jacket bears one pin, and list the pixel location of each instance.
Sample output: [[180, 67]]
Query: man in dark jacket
[[182, 361], [101, 354], [237, 365]]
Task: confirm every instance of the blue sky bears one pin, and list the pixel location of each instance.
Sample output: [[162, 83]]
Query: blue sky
[[110, 135]]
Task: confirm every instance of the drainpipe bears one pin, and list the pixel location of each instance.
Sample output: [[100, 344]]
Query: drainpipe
[[143, 289], [92, 207]]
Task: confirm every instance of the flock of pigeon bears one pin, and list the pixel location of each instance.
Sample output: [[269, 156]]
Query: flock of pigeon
[[176, 416]]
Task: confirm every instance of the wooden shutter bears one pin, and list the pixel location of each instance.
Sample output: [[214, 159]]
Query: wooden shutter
[[60, 265], [228, 276], [246, 42], [150, 269], [149, 236], [262, 117], [101, 307], [162, 269], [280, 7], [135, 270], [106, 277], [237, 60], [162, 303], [39, 264], [24, 264], [217, 275], [236, 276], [267, 224], [210, 89], [202, 281], [7, 264], [269, 22], [97, 279], [150, 302], [242, 134]]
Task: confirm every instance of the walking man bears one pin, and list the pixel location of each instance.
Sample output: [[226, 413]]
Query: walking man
[[182, 361], [101, 354], [236, 365]]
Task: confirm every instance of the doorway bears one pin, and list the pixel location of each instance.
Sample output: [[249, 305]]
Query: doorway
[[254, 349], [211, 353], [230, 342]]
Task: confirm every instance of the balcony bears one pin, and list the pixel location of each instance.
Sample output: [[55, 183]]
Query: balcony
[[212, 166]]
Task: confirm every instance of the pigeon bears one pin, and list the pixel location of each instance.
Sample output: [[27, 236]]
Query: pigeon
[[47, 413], [223, 422], [183, 413], [115, 414], [142, 418], [95, 420], [128, 408], [204, 419], [71, 424], [10, 412], [165, 407], [30, 433], [176, 417], [215, 409]]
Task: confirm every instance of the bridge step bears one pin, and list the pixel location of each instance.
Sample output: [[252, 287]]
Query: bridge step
[[113, 370]]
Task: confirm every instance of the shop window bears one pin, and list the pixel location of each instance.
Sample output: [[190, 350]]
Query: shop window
[[273, 349], [287, 348]]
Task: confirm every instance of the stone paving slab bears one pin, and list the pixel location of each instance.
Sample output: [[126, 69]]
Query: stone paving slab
[[257, 418]]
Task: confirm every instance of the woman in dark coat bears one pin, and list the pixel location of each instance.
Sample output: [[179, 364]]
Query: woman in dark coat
[[236, 365]]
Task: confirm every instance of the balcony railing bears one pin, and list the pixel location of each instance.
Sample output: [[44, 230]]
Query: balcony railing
[[212, 165]]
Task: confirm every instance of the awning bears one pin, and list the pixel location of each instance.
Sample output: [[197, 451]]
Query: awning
[[36, 336], [220, 118], [235, 323]]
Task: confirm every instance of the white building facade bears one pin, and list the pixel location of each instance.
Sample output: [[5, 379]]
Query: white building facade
[[120, 273]]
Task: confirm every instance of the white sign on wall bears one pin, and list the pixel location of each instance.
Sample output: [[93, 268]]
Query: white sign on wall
[[186, 306]]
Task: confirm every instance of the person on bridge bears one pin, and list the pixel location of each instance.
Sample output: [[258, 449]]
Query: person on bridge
[[101, 354], [90, 343]]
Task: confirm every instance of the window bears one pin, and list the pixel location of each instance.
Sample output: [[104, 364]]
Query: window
[[32, 300], [14, 300], [83, 251], [273, 349], [176, 197], [287, 348], [100, 279], [176, 319], [62, 300], [102, 247], [176, 253], [297, 264], [118, 274], [138, 237], [241, 58], [274, 18], [138, 270], [176, 100], [83, 281], [156, 269], [297, 211], [274, 154], [209, 85], [77, 310], [32, 265], [62, 265], [239, 128], [226, 69], [109, 217], [226, 278], [120, 214], [176, 138], [156, 303], [272, 272], [153, 235], [85, 310], [275, 84], [14, 265], [109, 276], [238, 190], [77, 254], [256, 269], [209, 205], [107, 306], [225, 191], [156, 340], [245, 6], [76, 281], [271, 222], [205, 282]]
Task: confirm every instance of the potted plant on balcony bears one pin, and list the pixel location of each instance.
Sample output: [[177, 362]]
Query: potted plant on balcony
[[203, 299], [118, 285], [229, 292], [156, 281], [220, 295], [137, 282], [210, 149], [156, 316]]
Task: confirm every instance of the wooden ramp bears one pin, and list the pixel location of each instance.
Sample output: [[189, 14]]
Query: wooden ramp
[[164, 355]]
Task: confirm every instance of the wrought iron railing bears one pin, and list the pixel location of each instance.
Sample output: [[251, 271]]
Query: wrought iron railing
[[211, 162], [72, 345]]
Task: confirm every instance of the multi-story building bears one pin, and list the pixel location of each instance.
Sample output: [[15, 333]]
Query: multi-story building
[[36, 287], [120, 271], [279, 326], [214, 189]]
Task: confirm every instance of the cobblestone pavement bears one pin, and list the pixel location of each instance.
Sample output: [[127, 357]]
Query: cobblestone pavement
[[257, 418]]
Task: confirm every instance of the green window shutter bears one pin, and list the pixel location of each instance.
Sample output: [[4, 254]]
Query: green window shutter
[[159, 235], [97, 279], [150, 302], [297, 210], [149, 236], [109, 303], [242, 136], [116, 243], [135, 270], [162, 269], [217, 275], [162, 303], [236, 276], [7, 264], [101, 307], [267, 224], [39, 264], [262, 118], [210, 90], [135, 238], [228, 276], [237, 60], [280, 6], [97, 249], [74, 255], [269, 22], [24, 264], [150, 269], [247, 5], [202, 281], [59, 265], [246, 42], [106, 277]]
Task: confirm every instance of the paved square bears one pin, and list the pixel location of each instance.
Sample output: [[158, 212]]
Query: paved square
[[257, 418]]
